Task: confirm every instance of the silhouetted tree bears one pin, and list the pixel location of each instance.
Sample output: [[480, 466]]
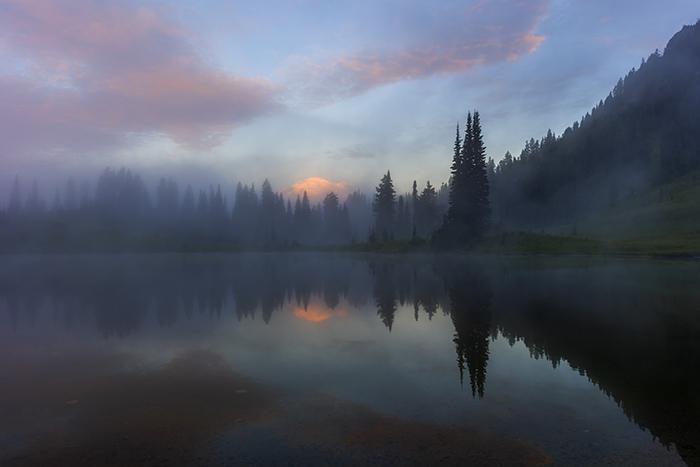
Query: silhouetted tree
[[427, 211], [414, 204], [468, 212], [384, 208], [478, 185], [332, 218]]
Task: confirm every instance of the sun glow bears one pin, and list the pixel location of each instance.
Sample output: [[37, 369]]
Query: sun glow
[[318, 187]]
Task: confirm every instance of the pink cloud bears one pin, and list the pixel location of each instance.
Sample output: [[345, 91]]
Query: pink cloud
[[102, 69], [455, 40]]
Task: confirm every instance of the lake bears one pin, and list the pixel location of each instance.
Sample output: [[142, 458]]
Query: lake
[[340, 359]]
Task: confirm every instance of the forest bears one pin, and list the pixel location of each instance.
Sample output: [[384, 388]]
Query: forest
[[123, 213], [643, 135]]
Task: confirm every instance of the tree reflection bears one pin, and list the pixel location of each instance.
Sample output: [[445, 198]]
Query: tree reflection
[[470, 300], [384, 292], [632, 329]]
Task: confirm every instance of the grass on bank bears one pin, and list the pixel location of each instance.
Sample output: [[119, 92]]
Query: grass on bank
[[534, 243]]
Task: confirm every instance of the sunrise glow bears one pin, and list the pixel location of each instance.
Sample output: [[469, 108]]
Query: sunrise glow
[[317, 187]]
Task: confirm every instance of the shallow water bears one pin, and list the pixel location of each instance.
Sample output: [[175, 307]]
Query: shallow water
[[330, 359]]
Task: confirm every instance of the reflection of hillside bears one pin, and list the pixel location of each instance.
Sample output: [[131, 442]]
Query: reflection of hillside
[[631, 328], [631, 338]]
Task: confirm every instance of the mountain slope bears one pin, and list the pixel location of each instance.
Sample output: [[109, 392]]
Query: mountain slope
[[645, 134]]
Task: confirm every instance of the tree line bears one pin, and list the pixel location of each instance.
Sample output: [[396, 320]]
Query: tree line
[[643, 134], [463, 220], [121, 211]]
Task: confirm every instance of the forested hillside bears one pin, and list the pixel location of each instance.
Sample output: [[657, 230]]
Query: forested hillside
[[644, 134]]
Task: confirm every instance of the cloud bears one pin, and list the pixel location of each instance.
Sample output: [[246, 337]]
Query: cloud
[[317, 188], [98, 71], [352, 152], [453, 38]]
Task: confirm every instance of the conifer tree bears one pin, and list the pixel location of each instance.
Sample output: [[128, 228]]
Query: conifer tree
[[414, 203], [456, 180], [427, 212], [267, 213], [305, 208], [384, 207], [401, 218], [479, 183], [468, 210]]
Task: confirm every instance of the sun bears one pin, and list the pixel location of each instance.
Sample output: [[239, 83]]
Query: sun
[[317, 188]]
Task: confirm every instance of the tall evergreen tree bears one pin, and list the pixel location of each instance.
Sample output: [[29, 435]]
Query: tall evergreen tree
[[297, 208], [455, 227], [427, 214], [384, 208], [267, 213], [331, 217], [468, 146], [401, 217], [414, 204], [468, 210], [305, 208], [457, 180], [478, 182], [297, 221]]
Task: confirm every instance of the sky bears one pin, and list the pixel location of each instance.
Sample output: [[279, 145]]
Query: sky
[[315, 94]]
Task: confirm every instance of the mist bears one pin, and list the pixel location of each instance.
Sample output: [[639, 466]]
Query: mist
[[358, 233]]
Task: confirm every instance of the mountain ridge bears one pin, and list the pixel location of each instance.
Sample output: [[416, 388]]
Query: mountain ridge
[[645, 133]]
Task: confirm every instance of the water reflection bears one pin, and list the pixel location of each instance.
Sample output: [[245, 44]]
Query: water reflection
[[631, 328], [470, 309]]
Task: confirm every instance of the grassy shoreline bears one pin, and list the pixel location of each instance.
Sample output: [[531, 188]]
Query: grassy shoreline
[[529, 243]]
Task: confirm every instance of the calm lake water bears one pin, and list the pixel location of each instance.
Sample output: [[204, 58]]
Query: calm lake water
[[331, 359]]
